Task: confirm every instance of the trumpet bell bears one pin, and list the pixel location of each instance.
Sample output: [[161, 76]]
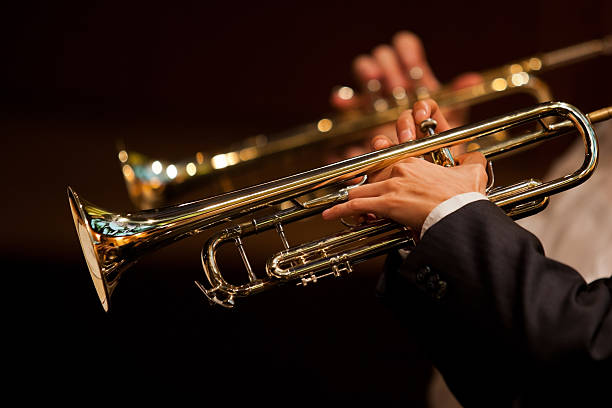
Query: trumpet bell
[[101, 255]]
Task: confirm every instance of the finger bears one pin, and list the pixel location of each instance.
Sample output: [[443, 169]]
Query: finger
[[405, 126], [379, 175], [428, 108], [412, 55], [368, 190], [366, 69], [355, 208], [391, 68], [474, 164], [332, 158], [354, 151], [382, 142], [472, 158], [458, 117]]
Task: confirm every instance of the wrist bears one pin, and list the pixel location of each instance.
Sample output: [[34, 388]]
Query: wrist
[[449, 206]]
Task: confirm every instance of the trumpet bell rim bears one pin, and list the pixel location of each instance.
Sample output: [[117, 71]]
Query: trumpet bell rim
[[88, 246]]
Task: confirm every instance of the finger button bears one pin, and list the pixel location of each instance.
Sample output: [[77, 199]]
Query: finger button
[[441, 291], [415, 73], [422, 274], [432, 283], [428, 126]]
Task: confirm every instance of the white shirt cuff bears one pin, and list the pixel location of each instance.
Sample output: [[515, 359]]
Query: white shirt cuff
[[449, 206], [443, 209]]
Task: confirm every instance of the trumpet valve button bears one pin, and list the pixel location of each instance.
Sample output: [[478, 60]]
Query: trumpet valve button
[[310, 279], [428, 126]]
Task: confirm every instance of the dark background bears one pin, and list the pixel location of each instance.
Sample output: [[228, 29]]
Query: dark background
[[170, 78]]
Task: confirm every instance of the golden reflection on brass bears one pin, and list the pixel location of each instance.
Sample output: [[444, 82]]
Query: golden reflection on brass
[[171, 171], [199, 157], [520, 78], [473, 146], [123, 156], [324, 125], [499, 84], [346, 93], [248, 153], [535, 64], [374, 85], [128, 173], [155, 183], [381, 105], [112, 242], [219, 161], [500, 136], [415, 73], [516, 68], [399, 92], [422, 93], [156, 167], [232, 158], [191, 169]]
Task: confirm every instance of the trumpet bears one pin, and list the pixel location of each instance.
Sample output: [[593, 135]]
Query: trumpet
[[111, 242], [152, 182]]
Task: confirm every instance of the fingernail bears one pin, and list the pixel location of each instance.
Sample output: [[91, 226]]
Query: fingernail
[[406, 134], [420, 114], [380, 144]]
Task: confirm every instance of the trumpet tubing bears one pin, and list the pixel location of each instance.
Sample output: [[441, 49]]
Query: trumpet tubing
[[150, 183], [111, 242]]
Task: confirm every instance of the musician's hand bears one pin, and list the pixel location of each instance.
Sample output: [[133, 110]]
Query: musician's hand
[[394, 66], [413, 188], [408, 127], [407, 191], [402, 65]]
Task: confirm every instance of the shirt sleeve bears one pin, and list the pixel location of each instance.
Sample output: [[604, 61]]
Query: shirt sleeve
[[443, 209], [449, 206]]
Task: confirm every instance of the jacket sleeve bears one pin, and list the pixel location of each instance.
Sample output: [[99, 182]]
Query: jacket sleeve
[[496, 315]]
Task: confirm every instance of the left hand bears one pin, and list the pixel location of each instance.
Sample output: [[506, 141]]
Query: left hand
[[413, 189], [408, 128], [409, 190]]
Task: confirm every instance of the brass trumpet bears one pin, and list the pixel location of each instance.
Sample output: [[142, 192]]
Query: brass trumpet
[[151, 182], [112, 242]]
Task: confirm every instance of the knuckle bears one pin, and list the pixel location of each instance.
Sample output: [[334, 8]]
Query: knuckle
[[479, 173], [400, 169], [433, 105], [409, 164], [353, 205]]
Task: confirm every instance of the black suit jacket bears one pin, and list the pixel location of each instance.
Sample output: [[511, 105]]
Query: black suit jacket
[[505, 325]]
